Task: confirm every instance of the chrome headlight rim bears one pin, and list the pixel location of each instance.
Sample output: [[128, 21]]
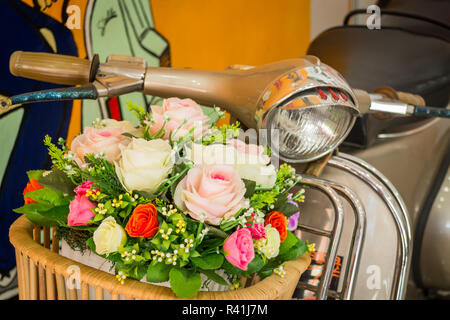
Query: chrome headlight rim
[[267, 124]]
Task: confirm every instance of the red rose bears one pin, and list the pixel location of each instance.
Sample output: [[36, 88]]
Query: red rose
[[278, 221], [143, 222], [33, 185]]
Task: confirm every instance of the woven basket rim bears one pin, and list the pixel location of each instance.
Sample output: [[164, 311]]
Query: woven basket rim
[[21, 237]]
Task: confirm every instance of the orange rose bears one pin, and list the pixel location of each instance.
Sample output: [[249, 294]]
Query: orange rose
[[278, 221], [143, 222], [33, 185]]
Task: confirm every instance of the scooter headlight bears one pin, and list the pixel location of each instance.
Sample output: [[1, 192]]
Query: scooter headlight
[[306, 128]]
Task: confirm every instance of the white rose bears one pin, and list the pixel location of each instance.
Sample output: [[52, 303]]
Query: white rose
[[145, 164], [271, 244], [248, 160], [109, 236]]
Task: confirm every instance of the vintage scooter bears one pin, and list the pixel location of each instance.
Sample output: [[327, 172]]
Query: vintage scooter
[[409, 50], [354, 215]]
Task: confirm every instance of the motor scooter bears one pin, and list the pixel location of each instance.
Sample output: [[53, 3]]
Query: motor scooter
[[354, 215], [412, 153]]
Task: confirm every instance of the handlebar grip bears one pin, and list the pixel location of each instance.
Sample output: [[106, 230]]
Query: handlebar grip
[[54, 68], [409, 98]]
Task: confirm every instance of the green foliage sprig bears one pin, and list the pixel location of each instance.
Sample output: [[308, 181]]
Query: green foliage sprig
[[103, 174]]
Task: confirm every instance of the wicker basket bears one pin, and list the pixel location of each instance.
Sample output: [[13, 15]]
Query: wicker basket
[[43, 274]]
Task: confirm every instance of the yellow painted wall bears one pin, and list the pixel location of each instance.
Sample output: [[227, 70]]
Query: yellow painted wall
[[212, 34]]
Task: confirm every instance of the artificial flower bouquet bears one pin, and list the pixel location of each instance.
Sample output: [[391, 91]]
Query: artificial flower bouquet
[[170, 199]]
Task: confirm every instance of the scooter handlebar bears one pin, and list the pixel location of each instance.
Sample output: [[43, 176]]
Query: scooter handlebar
[[54, 68]]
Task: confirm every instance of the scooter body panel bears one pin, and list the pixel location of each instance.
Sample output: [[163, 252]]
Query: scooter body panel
[[382, 266]]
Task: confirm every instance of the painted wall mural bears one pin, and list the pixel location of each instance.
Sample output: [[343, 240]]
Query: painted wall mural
[[204, 34]]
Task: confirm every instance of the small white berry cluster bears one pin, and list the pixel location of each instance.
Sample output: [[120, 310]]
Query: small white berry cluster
[[100, 155], [69, 169], [98, 124], [259, 244], [236, 284], [170, 257], [129, 255], [202, 217], [121, 277], [116, 203], [280, 271], [165, 235], [169, 212], [219, 112], [189, 244], [203, 233], [181, 226], [69, 156], [100, 208], [133, 198]]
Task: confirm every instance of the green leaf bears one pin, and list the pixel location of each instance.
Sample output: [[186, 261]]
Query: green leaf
[[254, 266], [250, 187], [139, 271], [44, 214], [50, 196], [33, 208], [184, 283], [214, 277], [282, 205], [158, 272], [59, 181], [288, 243], [211, 113], [91, 244], [267, 270], [35, 174], [209, 262], [129, 135], [213, 231], [294, 252]]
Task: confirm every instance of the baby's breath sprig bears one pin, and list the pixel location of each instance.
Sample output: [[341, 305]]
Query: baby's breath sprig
[[121, 276], [98, 124], [280, 270], [299, 196]]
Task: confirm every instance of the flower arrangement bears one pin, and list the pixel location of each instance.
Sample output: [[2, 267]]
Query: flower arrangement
[[168, 200]]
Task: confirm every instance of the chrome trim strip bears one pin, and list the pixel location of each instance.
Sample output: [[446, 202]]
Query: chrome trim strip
[[335, 233], [357, 238], [385, 189], [387, 183]]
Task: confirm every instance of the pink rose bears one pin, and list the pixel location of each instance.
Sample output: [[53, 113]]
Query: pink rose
[[249, 149], [80, 211], [211, 193], [107, 140], [256, 229], [178, 111], [82, 188], [239, 248]]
